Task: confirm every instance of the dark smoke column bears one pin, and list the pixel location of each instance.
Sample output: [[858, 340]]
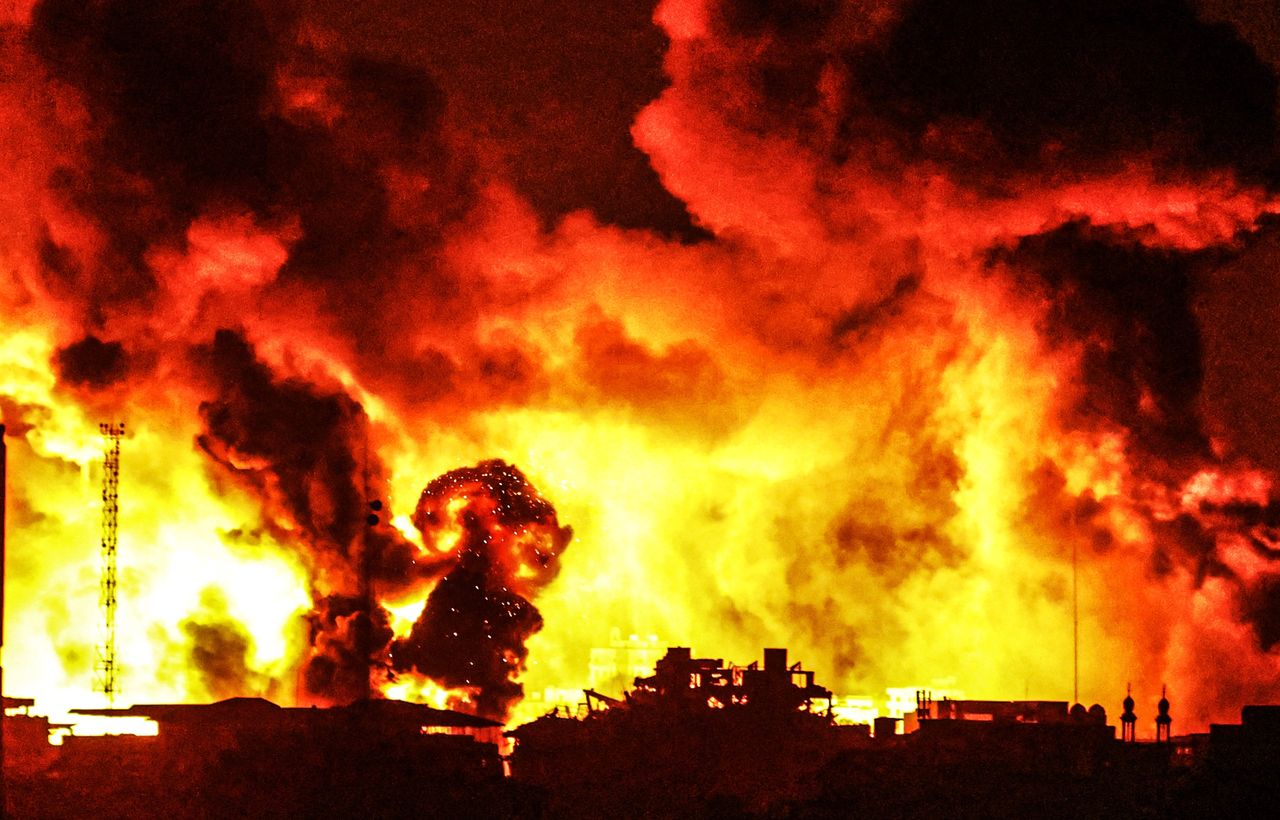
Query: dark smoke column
[[506, 540]]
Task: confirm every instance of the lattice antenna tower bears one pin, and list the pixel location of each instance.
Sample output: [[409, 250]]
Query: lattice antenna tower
[[107, 681]]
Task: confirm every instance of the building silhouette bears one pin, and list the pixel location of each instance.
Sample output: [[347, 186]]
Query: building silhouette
[[698, 737]]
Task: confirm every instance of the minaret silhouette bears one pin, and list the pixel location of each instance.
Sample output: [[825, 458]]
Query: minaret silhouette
[[1128, 718], [1163, 721]]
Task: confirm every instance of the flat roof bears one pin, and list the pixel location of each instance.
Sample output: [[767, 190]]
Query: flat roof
[[387, 711]]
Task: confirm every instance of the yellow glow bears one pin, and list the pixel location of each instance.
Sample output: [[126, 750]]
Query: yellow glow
[[95, 725], [892, 507], [418, 689], [404, 615]]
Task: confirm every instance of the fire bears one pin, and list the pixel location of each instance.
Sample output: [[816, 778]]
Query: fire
[[1217, 487], [419, 689], [908, 366], [403, 615], [451, 530]]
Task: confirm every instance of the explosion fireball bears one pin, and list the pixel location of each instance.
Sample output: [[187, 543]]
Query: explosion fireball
[[834, 325]]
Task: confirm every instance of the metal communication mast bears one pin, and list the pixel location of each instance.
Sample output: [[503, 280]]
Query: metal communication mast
[[106, 681]]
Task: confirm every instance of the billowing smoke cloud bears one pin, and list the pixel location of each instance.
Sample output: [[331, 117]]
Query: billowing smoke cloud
[[305, 453], [299, 449], [928, 295], [1068, 87], [233, 110], [174, 94], [492, 540], [1096, 164], [92, 362], [1131, 307], [347, 641], [505, 541], [220, 649]]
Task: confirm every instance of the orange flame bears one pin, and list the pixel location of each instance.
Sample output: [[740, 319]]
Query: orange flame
[[853, 418]]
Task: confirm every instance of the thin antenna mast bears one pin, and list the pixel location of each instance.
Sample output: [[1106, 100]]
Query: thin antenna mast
[[1075, 617], [1075, 610], [106, 669]]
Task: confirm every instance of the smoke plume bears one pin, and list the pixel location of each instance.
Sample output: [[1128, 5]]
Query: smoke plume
[[505, 541], [838, 325]]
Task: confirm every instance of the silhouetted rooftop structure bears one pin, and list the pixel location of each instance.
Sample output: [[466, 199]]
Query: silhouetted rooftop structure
[[1257, 734], [698, 734], [680, 680], [251, 757], [1018, 711], [699, 737], [391, 713]]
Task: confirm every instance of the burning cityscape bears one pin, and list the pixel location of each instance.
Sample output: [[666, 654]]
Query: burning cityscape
[[387, 385]]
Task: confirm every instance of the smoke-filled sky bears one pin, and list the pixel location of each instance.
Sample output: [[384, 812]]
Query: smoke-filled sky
[[836, 325]]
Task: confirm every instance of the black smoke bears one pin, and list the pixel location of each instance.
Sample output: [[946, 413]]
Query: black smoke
[[304, 452], [995, 91], [219, 654], [1065, 84], [472, 632], [194, 109], [348, 639], [91, 362], [1132, 308], [473, 629], [302, 449]]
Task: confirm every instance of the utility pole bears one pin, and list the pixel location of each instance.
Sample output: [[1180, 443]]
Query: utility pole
[[106, 681]]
